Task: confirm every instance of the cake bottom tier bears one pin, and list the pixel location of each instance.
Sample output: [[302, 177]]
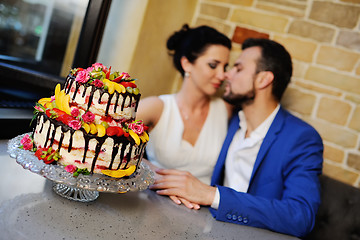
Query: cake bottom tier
[[85, 150]]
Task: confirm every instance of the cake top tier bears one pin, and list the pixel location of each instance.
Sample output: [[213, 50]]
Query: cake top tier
[[101, 76]]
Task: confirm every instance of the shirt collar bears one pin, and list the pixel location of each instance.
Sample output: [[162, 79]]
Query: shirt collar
[[263, 128]]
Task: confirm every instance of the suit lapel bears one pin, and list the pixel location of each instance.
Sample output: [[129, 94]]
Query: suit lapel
[[268, 140], [218, 174]]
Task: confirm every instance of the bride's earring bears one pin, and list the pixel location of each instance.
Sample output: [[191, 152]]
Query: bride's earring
[[186, 74]]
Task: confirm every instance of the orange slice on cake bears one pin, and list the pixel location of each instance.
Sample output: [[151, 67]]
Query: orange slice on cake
[[120, 173]]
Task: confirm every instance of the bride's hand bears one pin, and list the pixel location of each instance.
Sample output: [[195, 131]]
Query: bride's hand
[[179, 200], [184, 185]]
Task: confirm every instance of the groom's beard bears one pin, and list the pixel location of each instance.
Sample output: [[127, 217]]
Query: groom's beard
[[239, 100]]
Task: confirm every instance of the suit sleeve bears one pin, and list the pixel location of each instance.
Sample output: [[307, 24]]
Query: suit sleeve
[[292, 211]]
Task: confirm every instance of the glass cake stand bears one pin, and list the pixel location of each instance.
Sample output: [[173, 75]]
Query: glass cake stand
[[83, 188]]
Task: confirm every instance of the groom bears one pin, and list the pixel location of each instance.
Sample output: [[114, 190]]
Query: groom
[[267, 172]]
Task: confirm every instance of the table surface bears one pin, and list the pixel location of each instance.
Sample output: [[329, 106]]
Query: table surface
[[30, 209]]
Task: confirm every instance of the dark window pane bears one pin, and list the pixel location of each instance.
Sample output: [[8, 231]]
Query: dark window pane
[[40, 34]]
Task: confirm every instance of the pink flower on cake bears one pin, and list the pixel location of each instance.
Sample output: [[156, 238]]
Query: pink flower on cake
[[27, 142], [70, 168], [52, 98], [98, 66], [82, 77], [39, 109], [125, 75], [75, 112], [90, 69], [137, 127], [75, 124], [88, 117], [98, 83]]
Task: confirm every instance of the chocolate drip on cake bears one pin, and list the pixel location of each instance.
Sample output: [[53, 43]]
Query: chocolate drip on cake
[[140, 151], [77, 86], [108, 104], [128, 156], [122, 155], [123, 103], [72, 131], [47, 135], [61, 137], [137, 98], [97, 151], [38, 122], [90, 97], [113, 154], [86, 147], [53, 136], [67, 82], [117, 102], [130, 101]]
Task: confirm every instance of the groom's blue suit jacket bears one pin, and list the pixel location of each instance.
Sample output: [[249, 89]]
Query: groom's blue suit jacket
[[284, 189]]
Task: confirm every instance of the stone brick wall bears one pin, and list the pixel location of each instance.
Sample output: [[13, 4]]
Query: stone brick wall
[[323, 38]]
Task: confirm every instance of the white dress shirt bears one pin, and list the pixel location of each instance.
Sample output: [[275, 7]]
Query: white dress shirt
[[242, 153]]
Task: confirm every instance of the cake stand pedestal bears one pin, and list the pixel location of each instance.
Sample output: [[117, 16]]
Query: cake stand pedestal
[[83, 188], [74, 193]]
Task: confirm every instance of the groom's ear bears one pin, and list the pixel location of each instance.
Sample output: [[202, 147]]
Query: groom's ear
[[264, 79]]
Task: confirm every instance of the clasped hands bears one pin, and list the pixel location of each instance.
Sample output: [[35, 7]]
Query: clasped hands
[[183, 187]]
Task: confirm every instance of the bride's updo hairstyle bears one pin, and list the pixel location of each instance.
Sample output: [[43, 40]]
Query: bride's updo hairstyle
[[193, 42]]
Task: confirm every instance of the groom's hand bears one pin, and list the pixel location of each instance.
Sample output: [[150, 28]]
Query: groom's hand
[[183, 185]]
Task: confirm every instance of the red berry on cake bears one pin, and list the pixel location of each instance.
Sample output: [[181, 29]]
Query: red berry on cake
[[112, 131]]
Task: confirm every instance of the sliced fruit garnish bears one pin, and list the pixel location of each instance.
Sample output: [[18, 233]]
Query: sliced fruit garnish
[[142, 138], [110, 85], [118, 78], [136, 91], [129, 84], [59, 99], [134, 136], [146, 136], [111, 88], [105, 124], [108, 73], [86, 127], [101, 130], [129, 89], [112, 131], [93, 128], [65, 104], [57, 89], [50, 113], [48, 105], [119, 88], [58, 111], [43, 101], [120, 132], [65, 118], [120, 173], [57, 95]]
